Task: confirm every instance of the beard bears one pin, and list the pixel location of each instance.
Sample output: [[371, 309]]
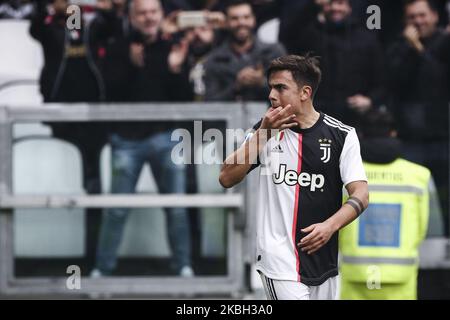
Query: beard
[[241, 40], [200, 50]]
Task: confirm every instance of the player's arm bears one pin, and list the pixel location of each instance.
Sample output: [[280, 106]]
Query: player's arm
[[239, 163], [354, 178], [320, 234], [357, 202]]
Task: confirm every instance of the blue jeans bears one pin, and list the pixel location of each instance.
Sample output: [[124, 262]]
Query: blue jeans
[[128, 158]]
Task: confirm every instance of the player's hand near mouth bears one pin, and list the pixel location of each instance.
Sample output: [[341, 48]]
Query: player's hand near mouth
[[279, 118], [238, 164]]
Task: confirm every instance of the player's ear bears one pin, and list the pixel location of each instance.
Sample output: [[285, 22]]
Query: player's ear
[[305, 93]]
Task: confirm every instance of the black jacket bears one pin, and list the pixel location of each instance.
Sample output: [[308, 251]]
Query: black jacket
[[420, 84], [113, 60], [128, 83], [152, 83], [70, 73], [155, 82]]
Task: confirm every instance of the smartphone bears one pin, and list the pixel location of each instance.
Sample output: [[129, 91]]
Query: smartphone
[[83, 2], [191, 19]]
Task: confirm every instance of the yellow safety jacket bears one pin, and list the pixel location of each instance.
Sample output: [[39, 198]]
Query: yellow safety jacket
[[387, 235]]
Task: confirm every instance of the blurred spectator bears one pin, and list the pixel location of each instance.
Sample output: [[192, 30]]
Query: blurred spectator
[[15, 9], [392, 18], [235, 70], [201, 43], [351, 59], [202, 32], [419, 68], [158, 74], [288, 12], [380, 249], [69, 56], [201, 40], [119, 7], [113, 50], [448, 16], [70, 75], [124, 54]]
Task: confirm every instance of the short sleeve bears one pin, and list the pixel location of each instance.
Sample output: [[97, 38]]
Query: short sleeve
[[350, 164]]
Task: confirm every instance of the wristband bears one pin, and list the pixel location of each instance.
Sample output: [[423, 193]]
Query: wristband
[[356, 204]]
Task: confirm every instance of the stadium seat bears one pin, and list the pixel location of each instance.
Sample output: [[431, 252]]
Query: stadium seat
[[41, 167], [21, 56], [24, 94], [20, 93]]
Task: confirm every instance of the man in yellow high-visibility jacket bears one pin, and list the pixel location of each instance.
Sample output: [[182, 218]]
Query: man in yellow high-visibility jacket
[[379, 251]]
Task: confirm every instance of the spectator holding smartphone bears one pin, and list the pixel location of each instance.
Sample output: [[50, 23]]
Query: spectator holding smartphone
[[235, 70]]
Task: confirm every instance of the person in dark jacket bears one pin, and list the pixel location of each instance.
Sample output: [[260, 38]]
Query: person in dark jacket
[[157, 74], [113, 49], [351, 59], [419, 68], [69, 56], [70, 75]]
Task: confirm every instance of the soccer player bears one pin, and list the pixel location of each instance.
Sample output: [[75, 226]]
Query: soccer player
[[305, 158]]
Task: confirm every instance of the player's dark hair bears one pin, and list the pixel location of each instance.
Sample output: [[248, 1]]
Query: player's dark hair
[[304, 69], [431, 4], [377, 123], [234, 3]]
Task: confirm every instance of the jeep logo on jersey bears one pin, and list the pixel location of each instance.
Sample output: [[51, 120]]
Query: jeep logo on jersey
[[325, 146], [304, 179]]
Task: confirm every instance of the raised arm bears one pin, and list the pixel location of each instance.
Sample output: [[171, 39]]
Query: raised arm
[[239, 163]]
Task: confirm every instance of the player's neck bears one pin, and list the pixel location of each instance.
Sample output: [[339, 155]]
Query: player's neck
[[307, 116]]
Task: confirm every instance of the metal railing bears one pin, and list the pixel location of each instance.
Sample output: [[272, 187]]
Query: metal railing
[[239, 202], [234, 114]]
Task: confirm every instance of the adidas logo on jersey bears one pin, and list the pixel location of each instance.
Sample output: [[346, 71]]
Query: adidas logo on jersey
[[277, 149], [304, 179]]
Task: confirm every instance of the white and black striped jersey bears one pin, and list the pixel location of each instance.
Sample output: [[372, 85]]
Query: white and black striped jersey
[[301, 177]]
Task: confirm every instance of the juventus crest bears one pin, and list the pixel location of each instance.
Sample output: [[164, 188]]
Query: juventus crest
[[325, 147]]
